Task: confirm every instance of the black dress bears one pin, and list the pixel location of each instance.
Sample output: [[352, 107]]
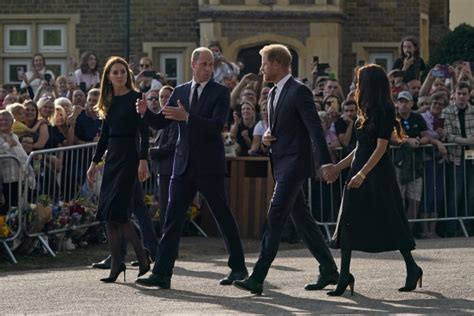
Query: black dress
[[372, 217], [125, 137]]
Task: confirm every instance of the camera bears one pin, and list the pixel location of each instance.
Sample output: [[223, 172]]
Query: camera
[[47, 77]]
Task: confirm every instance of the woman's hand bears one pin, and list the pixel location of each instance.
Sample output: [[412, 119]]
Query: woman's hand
[[355, 182], [91, 173], [143, 172]]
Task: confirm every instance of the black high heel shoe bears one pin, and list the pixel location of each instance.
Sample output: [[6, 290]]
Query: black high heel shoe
[[144, 270], [112, 278], [342, 285], [412, 280]]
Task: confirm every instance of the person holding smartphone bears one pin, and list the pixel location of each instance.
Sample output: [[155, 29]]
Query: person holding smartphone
[[410, 61], [147, 79], [34, 78]]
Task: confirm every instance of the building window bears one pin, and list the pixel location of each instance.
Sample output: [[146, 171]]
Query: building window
[[382, 59], [171, 64], [57, 66], [52, 38], [12, 67], [17, 38]]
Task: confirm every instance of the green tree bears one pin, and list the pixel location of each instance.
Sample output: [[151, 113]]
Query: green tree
[[457, 45]]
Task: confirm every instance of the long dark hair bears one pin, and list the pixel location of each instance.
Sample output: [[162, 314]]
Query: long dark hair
[[106, 89], [85, 63], [414, 41], [373, 97]]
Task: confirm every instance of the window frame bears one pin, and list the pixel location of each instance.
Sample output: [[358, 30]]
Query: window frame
[[7, 48], [50, 48]]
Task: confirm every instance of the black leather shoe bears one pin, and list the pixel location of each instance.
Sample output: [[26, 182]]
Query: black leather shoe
[[234, 276], [155, 280], [104, 264], [249, 284], [323, 281]]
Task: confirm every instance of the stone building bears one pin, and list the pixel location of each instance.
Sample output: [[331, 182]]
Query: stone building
[[341, 33]]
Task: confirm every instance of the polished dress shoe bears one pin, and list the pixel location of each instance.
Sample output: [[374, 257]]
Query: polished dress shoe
[[155, 280], [249, 284], [234, 276], [104, 264], [323, 281]]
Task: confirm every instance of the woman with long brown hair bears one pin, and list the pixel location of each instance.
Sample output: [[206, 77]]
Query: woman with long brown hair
[[125, 137], [372, 217]]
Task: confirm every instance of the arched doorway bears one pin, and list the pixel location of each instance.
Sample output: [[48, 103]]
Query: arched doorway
[[252, 60]]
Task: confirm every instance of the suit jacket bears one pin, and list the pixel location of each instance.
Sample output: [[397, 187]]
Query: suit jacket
[[162, 153], [199, 142], [300, 145]]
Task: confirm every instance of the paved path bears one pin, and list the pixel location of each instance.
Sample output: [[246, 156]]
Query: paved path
[[448, 286]]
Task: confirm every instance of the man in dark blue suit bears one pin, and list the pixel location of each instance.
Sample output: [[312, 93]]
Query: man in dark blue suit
[[200, 107], [297, 146]]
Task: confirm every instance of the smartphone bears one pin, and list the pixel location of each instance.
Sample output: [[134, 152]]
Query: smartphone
[[315, 59], [82, 86], [442, 72], [20, 72], [149, 73], [47, 77], [438, 123], [323, 69], [467, 67]]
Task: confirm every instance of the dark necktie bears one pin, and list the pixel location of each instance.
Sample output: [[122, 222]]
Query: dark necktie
[[195, 98], [272, 107]]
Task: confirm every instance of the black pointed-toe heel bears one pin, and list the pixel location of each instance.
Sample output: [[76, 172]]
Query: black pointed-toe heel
[[412, 280], [113, 278], [342, 286], [143, 271]]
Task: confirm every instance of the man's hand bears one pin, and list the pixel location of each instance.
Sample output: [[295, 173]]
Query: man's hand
[[330, 173], [267, 138], [175, 113], [141, 105]]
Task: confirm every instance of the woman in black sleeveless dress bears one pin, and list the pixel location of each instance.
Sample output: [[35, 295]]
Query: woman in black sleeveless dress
[[372, 217], [122, 130]]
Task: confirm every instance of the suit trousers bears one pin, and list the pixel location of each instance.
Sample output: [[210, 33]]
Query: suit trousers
[[289, 201], [147, 230], [163, 196], [182, 191]]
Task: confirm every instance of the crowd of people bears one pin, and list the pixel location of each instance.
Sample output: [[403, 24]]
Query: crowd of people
[[434, 107]]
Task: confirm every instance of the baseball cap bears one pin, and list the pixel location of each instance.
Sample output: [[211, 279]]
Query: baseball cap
[[405, 95]]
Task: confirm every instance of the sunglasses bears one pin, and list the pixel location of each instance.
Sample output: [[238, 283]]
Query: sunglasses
[[152, 99]]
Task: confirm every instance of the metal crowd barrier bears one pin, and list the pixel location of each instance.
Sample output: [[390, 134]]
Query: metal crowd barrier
[[10, 207], [60, 174], [440, 186]]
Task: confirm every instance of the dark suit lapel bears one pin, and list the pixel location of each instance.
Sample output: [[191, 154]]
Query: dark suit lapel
[[281, 100], [187, 93]]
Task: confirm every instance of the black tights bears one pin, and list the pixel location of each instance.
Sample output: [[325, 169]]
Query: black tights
[[410, 263], [115, 232]]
